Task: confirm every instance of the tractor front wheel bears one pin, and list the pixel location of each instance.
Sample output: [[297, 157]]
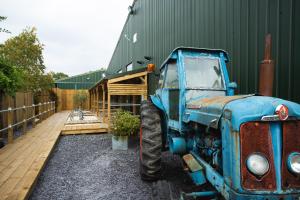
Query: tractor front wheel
[[150, 142]]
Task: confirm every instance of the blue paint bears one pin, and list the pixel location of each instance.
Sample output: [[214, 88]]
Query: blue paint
[[276, 135], [201, 194], [198, 177], [157, 102], [253, 108], [177, 145], [186, 133]]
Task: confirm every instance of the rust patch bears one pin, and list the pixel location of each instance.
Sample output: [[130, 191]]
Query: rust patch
[[219, 101], [291, 143], [255, 137], [191, 162]]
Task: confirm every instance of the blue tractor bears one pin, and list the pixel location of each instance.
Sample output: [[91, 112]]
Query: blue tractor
[[245, 146]]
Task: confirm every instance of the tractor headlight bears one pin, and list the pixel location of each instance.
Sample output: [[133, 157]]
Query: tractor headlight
[[258, 164], [293, 162]]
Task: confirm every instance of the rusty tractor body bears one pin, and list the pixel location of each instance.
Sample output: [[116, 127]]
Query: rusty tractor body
[[245, 146]]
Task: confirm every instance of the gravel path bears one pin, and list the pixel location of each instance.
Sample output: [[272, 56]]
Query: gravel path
[[85, 167]]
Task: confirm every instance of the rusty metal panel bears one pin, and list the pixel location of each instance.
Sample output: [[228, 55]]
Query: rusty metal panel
[[291, 141], [255, 137], [192, 163]]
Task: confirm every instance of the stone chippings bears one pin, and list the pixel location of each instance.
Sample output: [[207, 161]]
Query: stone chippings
[[85, 167]]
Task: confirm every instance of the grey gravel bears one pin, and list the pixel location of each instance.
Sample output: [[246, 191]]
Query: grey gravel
[[86, 167]]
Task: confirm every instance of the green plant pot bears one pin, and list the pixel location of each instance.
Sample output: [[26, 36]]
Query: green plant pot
[[119, 142]]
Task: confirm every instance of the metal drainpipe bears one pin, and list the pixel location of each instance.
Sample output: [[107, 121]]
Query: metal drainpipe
[[266, 75]]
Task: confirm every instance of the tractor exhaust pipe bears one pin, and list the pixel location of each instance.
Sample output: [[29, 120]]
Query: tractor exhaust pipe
[[266, 74]]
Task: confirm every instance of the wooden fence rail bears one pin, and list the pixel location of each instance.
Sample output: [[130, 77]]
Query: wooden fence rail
[[45, 110]]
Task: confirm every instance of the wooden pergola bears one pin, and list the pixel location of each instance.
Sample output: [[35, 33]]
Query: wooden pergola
[[128, 84]]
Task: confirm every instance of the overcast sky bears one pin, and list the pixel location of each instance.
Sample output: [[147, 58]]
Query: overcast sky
[[79, 35]]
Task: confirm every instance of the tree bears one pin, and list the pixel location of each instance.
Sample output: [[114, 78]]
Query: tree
[[58, 75], [80, 99], [3, 30], [10, 78], [25, 52]]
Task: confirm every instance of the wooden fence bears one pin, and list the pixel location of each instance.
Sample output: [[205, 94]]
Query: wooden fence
[[20, 99], [65, 99], [28, 113]]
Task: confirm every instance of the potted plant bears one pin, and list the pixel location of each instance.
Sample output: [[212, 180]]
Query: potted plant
[[124, 124]]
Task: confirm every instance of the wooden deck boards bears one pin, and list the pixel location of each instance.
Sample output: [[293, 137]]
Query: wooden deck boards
[[22, 161], [93, 128]]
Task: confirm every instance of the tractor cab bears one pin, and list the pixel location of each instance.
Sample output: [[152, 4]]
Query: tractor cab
[[189, 75]]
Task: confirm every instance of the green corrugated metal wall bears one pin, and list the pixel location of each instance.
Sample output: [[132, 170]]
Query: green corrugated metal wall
[[237, 26], [82, 81]]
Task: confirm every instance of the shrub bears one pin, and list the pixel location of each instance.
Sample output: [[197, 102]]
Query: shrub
[[124, 123], [80, 99]]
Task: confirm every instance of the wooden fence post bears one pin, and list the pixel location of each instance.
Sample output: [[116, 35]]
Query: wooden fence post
[[48, 110], [52, 107], [40, 112], [33, 115], [24, 110], [10, 135]]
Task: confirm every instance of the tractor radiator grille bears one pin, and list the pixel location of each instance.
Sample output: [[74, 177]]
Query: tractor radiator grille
[[255, 138], [291, 143]]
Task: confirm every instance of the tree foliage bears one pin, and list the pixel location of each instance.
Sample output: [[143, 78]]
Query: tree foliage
[[58, 75], [3, 30], [25, 53], [10, 78], [80, 98]]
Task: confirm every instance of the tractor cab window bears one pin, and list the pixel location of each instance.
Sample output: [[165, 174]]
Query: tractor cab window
[[171, 81], [203, 73]]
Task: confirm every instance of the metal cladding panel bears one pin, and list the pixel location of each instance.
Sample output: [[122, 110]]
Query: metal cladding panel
[[82, 81], [237, 26]]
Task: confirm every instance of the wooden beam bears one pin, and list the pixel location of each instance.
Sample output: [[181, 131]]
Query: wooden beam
[[134, 102], [126, 77], [142, 79], [97, 99], [103, 103], [108, 110]]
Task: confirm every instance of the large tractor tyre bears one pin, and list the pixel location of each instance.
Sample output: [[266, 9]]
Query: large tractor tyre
[[150, 142]]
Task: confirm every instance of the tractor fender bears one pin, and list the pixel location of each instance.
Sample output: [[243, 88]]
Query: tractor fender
[[157, 102]]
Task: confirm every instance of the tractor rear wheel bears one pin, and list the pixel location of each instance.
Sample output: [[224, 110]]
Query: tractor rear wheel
[[150, 142]]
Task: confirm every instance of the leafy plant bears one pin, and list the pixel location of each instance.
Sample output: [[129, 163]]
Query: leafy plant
[[80, 99], [10, 78], [25, 52], [124, 123], [3, 30], [58, 75]]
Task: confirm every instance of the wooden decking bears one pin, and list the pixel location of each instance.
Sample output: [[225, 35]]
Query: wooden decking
[[90, 124], [22, 161], [85, 128]]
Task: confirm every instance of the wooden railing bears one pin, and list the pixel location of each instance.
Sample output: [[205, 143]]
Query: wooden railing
[[28, 114]]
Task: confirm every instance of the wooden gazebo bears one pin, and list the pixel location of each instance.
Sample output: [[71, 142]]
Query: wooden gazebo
[[133, 83]]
